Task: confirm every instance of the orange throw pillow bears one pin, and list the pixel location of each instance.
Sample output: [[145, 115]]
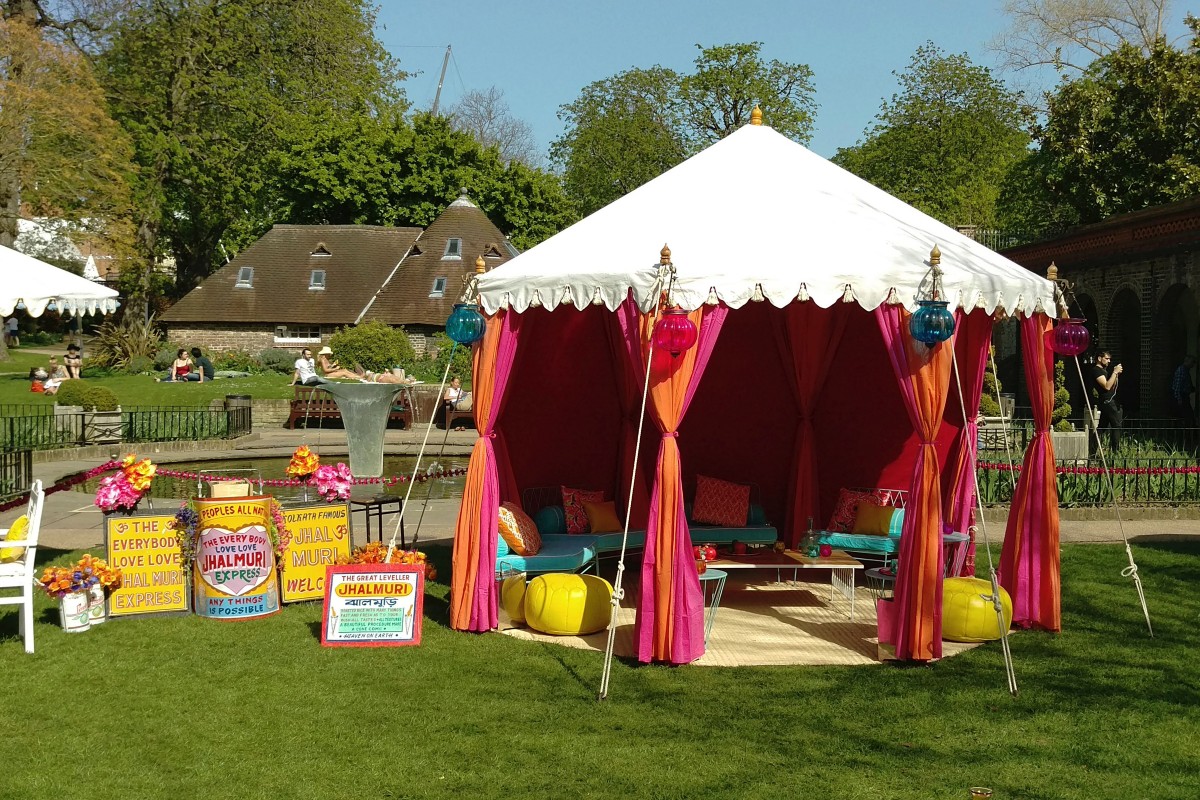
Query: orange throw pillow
[[873, 520], [720, 502], [519, 531], [602, 517]]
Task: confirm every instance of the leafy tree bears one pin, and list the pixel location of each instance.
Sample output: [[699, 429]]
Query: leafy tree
[[1125, 135], [488, 118], [945, 142], [628, 129]]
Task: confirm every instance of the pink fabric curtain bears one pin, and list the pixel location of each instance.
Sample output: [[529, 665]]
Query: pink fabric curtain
[[1029, 564], [473, 602], [670, 619], [808, 339], [923, 375], [972, 342]]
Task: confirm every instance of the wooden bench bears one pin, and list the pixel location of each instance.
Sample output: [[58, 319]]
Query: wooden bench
[[313, 402], [451, 416]]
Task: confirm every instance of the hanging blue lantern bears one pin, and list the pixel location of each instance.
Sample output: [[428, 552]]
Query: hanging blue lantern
[[932, 323], [466, 324]]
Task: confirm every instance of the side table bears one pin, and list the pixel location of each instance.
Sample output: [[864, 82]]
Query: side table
[[717, 578], [880, 582], [375, 508]]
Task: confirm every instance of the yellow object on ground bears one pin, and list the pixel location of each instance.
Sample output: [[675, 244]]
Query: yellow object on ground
[[512, 595], [967, 616], [568, 605]]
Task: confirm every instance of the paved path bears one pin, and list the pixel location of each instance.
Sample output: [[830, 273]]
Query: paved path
[[71, 521]]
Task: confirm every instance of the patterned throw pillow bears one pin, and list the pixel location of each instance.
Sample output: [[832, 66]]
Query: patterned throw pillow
[[518, 530], [602, 517], [15, 534], [720, 502], [846, 509], [577, 521]]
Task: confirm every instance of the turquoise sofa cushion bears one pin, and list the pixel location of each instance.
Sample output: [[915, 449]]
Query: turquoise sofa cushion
[[551, 520], [611, 542], [760, 534], [559, 553], [862, 542]]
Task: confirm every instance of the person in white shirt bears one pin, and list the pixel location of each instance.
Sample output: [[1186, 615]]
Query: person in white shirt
[[306, 370], [11, 332]]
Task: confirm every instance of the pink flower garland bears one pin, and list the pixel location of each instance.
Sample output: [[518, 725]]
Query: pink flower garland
[[333, 482]]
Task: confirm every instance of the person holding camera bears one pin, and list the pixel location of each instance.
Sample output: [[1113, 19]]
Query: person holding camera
[[1105, 386]]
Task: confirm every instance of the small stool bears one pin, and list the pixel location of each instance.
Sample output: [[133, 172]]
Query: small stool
[[374, 508], [568, 605], [881, 583]]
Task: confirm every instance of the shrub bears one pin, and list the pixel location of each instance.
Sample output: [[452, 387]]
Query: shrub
[[433, 367], [88, 395], [1062, 406], [163, 358], [277, 359], [991, 389], [373, 345], [139, 364], [102, 398], [237, 360], [116, 344]]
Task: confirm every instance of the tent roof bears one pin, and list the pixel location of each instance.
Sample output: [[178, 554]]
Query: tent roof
[[24, 279], [757, 209]]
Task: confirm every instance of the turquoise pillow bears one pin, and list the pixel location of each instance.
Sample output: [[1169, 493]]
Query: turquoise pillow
[[550, 520], [501, 547], [757, 515], [897, 523]]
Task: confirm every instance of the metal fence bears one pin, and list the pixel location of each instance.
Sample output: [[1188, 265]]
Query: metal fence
[[16, 473], [1135, 482], [1149, 438], [50, 427]]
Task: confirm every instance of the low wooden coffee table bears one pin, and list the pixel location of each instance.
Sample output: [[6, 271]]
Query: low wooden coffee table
[[841, 567]]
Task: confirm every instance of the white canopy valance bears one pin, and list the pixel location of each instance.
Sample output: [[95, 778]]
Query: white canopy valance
[[36, 284], [757, 216]]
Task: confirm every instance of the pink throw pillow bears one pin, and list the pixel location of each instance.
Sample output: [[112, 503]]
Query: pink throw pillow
[[845, 511], [720, 502], [573, 499]]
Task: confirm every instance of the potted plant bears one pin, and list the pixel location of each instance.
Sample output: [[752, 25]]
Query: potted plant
[[81, 589], [102, 424]]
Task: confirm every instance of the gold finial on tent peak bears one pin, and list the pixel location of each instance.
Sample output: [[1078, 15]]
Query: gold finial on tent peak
[[1052, 272], [756, 116], [480, 265], [935, 257], [664, 256]]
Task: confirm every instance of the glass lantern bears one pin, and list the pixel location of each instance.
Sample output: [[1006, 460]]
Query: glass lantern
[[466, 324], [932, 323]]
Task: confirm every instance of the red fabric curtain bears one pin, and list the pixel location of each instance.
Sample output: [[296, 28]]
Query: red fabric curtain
[[923, 375], [630, 385], [809, 337], [972, 342], [1029, 562]]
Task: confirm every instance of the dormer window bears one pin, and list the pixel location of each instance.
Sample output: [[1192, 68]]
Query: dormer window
[[245, 278], [439, 288], [492, 251], [453, 249], [321, 250], [316, 281]]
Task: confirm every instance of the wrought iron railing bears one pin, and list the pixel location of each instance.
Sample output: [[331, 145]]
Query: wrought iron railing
[[53, 427], [1135, 482], [16, 472]]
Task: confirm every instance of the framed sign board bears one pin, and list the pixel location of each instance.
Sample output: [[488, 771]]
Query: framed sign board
[[147, 553], [373, 605]]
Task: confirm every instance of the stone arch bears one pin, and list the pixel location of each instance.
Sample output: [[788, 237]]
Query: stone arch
[[1123, 337], [1176, 333]]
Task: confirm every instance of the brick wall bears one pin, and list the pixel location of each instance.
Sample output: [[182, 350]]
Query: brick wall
[[253, 338]]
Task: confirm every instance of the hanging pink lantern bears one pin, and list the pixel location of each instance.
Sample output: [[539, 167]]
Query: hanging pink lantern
[[1069, 337], [674, 332]]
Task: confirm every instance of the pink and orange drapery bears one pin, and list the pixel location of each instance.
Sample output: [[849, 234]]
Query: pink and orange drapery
[[972, 342], [808, 338], [923, 375], [473, 602], [1029, 565], [670, 618]]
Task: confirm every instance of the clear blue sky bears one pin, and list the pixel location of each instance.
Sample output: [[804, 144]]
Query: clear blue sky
[[540, 53]]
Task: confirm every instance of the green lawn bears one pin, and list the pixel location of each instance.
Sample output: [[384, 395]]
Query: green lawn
[[141, 390], [185, 707]]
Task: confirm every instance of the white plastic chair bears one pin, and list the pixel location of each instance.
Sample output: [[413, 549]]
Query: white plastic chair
[[19, 574]]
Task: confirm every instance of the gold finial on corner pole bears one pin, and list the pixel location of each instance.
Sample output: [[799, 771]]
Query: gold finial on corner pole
[[664, 256], [480, 265], [935, 257], [1052, 272], [756, 116]]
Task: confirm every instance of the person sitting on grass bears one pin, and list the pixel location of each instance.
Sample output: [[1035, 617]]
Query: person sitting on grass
[[55, 374], [74, 362], [332, 369], [180, 367], [204, 367]]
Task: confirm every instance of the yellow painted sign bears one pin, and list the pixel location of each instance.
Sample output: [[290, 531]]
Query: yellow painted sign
[[320, 535], [147, 553], [234, 574]]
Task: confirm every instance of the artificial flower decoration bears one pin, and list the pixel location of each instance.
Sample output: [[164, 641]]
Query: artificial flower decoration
[[139, 473], [281, 537], [304, 462], [89, 571], [376, 552], [125, 488], [333, 482], [186, 521]]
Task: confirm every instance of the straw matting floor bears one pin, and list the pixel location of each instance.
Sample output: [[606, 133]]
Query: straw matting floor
[[760, 624]]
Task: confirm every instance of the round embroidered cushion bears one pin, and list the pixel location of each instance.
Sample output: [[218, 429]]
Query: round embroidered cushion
[[966, 616], [568, 605]]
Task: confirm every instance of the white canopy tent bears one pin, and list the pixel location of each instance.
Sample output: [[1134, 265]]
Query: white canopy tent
[[758, 212], [36, 284]]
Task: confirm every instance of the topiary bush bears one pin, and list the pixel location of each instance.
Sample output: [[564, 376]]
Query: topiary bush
[[101, 398], [275, 359], [373, 345], [991, 390], [73, 393], [1062, 406]]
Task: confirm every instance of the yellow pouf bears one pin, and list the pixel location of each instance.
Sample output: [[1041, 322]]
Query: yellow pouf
[[568, 605], [966, 616], [512, 595]]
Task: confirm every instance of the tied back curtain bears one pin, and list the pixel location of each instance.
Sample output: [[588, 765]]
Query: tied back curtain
[[670, 618], [923, 376], [809, 339], [473, 605], [1029, 565], [631, 375], [972, 342]]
